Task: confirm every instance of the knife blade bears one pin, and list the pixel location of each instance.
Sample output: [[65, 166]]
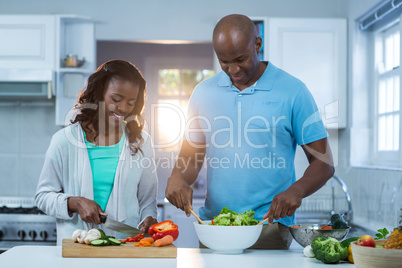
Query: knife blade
[[119, 226]]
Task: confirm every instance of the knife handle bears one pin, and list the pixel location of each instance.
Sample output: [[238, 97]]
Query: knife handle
[[102, 218]]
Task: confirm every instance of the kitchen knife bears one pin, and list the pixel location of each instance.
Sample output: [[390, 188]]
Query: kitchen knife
[[118, 226]]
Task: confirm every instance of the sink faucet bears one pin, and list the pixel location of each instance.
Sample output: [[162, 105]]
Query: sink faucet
[[349, 213]]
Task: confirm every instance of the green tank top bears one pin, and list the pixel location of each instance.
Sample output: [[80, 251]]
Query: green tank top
[[104, 161]]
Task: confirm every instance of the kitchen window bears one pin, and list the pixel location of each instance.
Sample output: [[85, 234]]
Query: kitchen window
[[171, 82], [175, 87], [387, 112]]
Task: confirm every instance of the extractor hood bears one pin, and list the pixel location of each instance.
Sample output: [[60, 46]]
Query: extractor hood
[[32, 83]]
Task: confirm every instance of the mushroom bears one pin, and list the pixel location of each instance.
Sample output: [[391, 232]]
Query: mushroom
[[76, 234], [94, 232], [81, 237], [92, 235]]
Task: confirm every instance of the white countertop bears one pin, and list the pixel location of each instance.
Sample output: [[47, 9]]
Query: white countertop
[[50, 257]]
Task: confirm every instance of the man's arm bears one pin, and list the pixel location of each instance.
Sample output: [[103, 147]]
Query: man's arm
[[319, 171], [184, 174]]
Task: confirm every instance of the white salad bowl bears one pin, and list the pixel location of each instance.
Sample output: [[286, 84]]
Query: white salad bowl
[[227, 239]]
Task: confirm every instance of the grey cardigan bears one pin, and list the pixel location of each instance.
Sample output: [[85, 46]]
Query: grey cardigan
[[67, 172]]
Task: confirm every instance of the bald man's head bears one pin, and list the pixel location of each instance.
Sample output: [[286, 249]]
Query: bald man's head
[[236, 25], [237, 47]]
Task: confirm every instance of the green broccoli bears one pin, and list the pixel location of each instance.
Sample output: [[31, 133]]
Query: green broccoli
[[328, 250]]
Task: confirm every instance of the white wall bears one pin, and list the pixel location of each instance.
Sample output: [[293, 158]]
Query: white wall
[[171, 20]]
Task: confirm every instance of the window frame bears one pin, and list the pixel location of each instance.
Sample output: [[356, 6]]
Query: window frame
[[385, 158]]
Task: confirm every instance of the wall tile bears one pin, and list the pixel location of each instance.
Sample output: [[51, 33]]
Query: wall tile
[[9, 118], [39, 123], [376, 196], [9, 175], [31, 167]]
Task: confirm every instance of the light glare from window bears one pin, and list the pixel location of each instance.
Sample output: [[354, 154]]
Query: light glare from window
[[175, 89]]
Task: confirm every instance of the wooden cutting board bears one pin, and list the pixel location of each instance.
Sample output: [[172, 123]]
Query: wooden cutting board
[[71, 249]]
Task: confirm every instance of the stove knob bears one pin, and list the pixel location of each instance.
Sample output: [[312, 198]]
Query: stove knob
[[21, 234], [43, 235], [32, 234]]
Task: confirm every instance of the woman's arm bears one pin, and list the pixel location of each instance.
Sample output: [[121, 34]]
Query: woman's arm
[[148, 188], [50, 196]]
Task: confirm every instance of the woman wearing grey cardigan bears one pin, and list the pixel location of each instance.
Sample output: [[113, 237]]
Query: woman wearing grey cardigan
[[103, 163]]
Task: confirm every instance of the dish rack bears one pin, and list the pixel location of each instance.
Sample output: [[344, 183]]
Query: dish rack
[[332, 198]]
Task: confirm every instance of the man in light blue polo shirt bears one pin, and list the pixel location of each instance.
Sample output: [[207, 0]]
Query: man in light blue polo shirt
[[246, 123]]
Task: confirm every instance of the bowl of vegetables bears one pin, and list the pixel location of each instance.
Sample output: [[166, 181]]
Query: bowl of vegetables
[[384, 253], [305, 233], [229, 232]]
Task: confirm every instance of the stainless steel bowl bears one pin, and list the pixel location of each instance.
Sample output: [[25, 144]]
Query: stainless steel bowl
[[307, 232]]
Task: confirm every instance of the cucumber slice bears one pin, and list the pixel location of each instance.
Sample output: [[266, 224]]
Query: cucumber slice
[[114, 241], [98, 242], [102, 233], [106, 241]]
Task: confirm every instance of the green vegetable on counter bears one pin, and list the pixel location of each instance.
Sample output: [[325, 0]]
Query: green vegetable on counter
[[230, 218], [345, 243], [338, 222], [328, 250]]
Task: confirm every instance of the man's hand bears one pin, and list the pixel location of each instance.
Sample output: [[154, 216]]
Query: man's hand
[[284, 204], [149, 221], [179, 193], [320, 170], [88, 209], [185, 172]]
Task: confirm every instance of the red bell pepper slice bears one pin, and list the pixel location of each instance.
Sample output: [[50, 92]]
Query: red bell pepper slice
[[136, 238], [162, 229]]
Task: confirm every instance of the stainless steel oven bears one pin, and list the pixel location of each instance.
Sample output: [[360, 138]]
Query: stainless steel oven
[[22, 223]]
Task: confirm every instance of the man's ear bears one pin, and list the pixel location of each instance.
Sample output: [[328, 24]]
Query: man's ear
[[258, 44]]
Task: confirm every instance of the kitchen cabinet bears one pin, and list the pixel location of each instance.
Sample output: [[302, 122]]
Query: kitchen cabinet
[[313, 50], [187, 236], [41, 43], [27, 41], [75, 36]]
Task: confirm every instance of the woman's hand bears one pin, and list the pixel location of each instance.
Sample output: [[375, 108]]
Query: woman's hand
[[149, 221], [88, 209]]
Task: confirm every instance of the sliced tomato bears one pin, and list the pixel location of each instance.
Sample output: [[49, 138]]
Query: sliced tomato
[[326, 227]]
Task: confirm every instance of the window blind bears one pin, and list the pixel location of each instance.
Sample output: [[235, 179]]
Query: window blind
[[380, 15]]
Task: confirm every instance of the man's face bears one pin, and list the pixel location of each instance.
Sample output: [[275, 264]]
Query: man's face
[[238, 58]]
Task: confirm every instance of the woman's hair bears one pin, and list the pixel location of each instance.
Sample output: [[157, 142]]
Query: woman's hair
[[88, 100]]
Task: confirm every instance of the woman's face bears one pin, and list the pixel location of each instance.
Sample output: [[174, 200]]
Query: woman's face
[[120, 97]]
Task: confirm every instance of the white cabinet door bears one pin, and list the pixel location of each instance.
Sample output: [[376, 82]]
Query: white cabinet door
[[313, 50], [187, 236], [27, 41]]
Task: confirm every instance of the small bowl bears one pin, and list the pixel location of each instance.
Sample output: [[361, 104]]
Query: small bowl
[[227, 239], [79, 63], [307, 232], [368, 257]]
